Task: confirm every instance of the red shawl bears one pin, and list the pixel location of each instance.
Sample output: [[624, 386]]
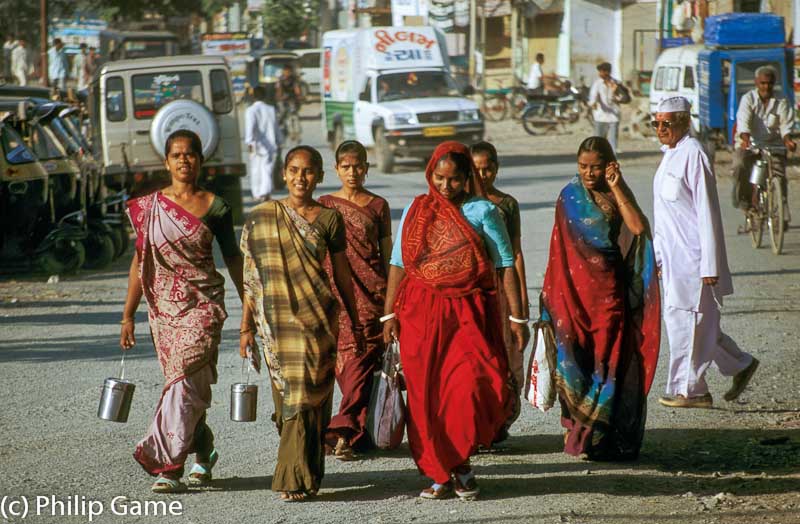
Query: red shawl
[[440, 248]]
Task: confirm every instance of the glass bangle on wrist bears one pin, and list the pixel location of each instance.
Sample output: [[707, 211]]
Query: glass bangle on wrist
[[516, 320], [384, 318]]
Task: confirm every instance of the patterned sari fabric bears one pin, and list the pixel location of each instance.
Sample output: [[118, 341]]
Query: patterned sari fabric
[[296, 317], [605, 309], [366, 227], [186, 310], [453, 357], [295, 310]]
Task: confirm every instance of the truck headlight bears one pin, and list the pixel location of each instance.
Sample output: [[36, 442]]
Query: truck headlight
[[470, 115], [404, 119]]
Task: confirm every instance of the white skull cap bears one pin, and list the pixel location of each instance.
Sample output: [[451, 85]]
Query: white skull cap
[[675, 104]]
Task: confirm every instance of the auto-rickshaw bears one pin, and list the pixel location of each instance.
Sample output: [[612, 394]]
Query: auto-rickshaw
[[101, 241], [67, 203], [30, 237]]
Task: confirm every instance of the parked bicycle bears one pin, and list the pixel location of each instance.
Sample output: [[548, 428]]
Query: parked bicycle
[[289, 122], [768, 204], [502, 101]]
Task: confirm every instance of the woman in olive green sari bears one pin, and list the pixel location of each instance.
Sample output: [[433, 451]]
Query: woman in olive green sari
[[289, 303]]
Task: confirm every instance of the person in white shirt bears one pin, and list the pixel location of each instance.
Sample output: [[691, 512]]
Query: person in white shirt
[[8, 48], [690, 252], [78, 63], [765, 119], [21, 66], [262, 136], [535, 76], [605, 109]]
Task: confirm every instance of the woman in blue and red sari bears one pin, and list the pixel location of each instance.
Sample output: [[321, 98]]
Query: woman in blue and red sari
[[173, 268], [601, 294], [442, 303]]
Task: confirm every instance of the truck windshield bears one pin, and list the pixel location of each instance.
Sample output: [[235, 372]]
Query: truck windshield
[[14, 147], [416, 84], [147, 48], [154, 90]]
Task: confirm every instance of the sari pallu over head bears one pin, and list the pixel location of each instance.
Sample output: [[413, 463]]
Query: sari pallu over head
[[296, 311], [591, 289], [184, 293], [440, 248]]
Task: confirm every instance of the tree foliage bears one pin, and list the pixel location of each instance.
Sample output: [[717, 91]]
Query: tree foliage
[[288, 19]]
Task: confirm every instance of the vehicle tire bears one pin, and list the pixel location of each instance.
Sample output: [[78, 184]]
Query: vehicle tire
[[775, 221], [65, 256], [536, 120], [383, 154], [124, 238], [185, 114], [755, 226], [337, 137], [99, 248], [230, 189], [495, 108]]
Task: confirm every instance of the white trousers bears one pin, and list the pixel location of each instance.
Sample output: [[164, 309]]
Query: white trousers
[[695, 341], [260, 171]]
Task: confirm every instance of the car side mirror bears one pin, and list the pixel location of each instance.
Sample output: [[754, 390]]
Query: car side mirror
[[468, 90]]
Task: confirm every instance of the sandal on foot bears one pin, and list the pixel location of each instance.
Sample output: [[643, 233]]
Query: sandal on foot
[[200, 474], [167, 485], [437, 491], [293, 496], [343, 451], [466, 487]]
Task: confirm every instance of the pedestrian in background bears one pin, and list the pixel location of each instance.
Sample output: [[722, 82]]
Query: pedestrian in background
[[487, 165], [289, 302], [690, 252], [78, 66], [441, 304], [8, 47], [368, 226], [262, 136], [21, 65], [173, 267], [605, 109], [58, 65], [600, 293], [90, 65]]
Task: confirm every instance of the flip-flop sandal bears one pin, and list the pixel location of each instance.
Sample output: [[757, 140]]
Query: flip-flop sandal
[[437, 491], [466, 487], [200, 474], [167, 485], [343, 451], [294, 496]]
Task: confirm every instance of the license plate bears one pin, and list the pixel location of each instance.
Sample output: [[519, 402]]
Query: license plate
[[439, 131]]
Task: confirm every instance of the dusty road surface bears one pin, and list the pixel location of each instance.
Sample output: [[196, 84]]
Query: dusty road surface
[[737, 463]]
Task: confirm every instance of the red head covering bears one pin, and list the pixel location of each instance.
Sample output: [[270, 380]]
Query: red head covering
[[440, 248]]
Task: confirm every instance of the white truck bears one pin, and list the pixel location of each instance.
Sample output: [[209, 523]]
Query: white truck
[[390, 88]]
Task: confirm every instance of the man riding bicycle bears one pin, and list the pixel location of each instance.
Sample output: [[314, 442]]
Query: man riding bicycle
[[766, 119], [287, 91]]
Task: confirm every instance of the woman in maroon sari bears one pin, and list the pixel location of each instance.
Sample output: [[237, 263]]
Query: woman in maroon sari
[[442, 304], [369, 244], [173, 268]]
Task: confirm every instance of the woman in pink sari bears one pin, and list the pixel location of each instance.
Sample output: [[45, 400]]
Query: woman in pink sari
[[173, 268], [368, 226]]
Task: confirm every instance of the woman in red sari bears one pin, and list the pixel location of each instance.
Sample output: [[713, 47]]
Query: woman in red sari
[[601, 294], [441, 303], [173, 268], [368, 225]]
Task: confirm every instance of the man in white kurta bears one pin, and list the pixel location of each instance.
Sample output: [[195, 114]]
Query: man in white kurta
[[690, 252], [262, 137]]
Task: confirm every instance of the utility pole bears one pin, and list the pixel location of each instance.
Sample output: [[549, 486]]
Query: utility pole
[[43, 40], [473, 8]]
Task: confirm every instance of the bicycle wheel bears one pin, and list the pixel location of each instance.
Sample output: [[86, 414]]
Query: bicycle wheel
[[775, 219], [495, 108], [518, 103], [754, 223], [295, 131]]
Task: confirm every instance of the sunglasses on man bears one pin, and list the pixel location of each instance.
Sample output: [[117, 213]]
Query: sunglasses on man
[[655, 124]]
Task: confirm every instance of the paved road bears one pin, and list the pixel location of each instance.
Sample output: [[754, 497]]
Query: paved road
[[737, 463]]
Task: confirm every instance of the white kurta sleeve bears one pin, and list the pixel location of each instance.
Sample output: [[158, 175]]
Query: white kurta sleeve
[[250, 125], [744, 115], [594, 94], [786, 116], [709, 218]]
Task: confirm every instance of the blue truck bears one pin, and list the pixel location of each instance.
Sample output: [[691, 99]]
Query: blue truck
[[736, 44]]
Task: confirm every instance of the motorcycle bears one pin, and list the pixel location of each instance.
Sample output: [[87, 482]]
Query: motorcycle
[[545, 112]]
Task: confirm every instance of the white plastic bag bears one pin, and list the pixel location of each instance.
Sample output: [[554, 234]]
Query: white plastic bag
[[540, 390]]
